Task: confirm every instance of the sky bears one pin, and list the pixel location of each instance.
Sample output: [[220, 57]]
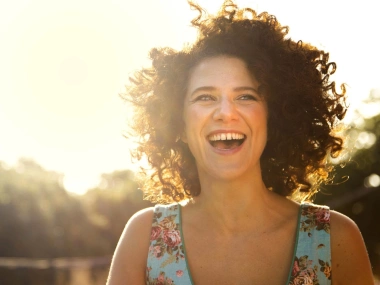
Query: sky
[[63, 65]]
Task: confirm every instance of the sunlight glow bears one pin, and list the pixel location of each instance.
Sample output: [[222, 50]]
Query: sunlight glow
[[372, 181], [365, 140], [64, 63]]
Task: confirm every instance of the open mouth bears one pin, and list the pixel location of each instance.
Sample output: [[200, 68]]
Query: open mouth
[[226, 141]]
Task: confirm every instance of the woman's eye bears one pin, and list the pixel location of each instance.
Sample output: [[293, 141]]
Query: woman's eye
[[204, 97], [247, 97]]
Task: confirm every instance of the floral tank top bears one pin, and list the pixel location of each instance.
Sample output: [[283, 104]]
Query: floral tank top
[[311, 265]]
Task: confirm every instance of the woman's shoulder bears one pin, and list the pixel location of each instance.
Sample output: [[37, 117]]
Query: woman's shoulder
[[129, 260], [142, 216], [349, 255], [138, 227], [344, 231], [138, 224], [141, 221], [342, 224]]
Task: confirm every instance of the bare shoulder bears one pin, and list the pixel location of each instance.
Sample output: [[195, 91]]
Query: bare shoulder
[[129, 260], [350, 262]]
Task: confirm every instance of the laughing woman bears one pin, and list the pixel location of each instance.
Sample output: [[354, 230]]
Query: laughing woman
[[238, 127]]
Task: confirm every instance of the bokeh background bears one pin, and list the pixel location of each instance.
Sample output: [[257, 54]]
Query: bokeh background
[[67, 183]]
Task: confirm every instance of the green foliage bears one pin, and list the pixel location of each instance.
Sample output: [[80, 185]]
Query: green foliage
[[361, 157], [28, 195], [351, 194], [110, 205], [41, 220]]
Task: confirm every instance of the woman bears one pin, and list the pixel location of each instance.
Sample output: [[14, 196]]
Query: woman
[[232, 126]]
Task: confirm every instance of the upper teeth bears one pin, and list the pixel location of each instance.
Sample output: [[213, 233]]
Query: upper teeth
[[226, 136]]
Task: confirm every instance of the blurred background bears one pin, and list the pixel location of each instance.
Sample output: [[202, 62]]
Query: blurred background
[[67, 183]]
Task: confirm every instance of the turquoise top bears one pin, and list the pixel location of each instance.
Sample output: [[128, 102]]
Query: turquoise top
[[167, 263]]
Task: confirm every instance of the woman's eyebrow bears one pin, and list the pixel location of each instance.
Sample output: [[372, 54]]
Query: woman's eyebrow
[[237, 89], [245, 88], [203, 88]]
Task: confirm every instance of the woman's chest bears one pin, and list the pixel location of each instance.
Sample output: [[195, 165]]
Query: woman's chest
[[240, 259]]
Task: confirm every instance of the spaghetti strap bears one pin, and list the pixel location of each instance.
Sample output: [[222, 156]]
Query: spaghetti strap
[[166, 262], [312, 257]]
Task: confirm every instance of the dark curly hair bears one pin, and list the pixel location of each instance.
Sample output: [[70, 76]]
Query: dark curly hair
[[303, 104]]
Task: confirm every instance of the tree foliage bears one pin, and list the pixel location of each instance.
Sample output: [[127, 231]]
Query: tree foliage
[[40, 219], [356, 190]]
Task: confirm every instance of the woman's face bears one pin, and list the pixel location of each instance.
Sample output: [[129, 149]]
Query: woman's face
[[225, 119]]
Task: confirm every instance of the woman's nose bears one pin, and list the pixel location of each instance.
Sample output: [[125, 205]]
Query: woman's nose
[[225, 111]]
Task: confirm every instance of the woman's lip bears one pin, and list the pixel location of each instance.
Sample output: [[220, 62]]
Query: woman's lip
[[227, 151]]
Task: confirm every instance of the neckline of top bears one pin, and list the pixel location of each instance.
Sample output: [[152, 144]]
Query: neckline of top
[[294, 251]]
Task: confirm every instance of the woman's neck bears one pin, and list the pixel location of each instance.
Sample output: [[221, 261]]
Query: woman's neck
[[234, 205]]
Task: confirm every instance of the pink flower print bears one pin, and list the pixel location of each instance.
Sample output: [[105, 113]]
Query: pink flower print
[[312, 274], [322, 216], [327, 271], [161, 277], [179, 273], [310, 210], [296, 268], [156, 250], [303, 280], [155, 233], [168, 223], [172, 238], [308, 281]]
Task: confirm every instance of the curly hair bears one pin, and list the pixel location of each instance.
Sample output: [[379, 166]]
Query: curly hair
[[303, 104]]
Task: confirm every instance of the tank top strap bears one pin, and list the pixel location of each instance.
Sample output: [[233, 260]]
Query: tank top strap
[[166, 263], [312, 258]]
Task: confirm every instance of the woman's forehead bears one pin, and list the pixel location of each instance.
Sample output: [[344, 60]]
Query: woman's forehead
[[220, 71]]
